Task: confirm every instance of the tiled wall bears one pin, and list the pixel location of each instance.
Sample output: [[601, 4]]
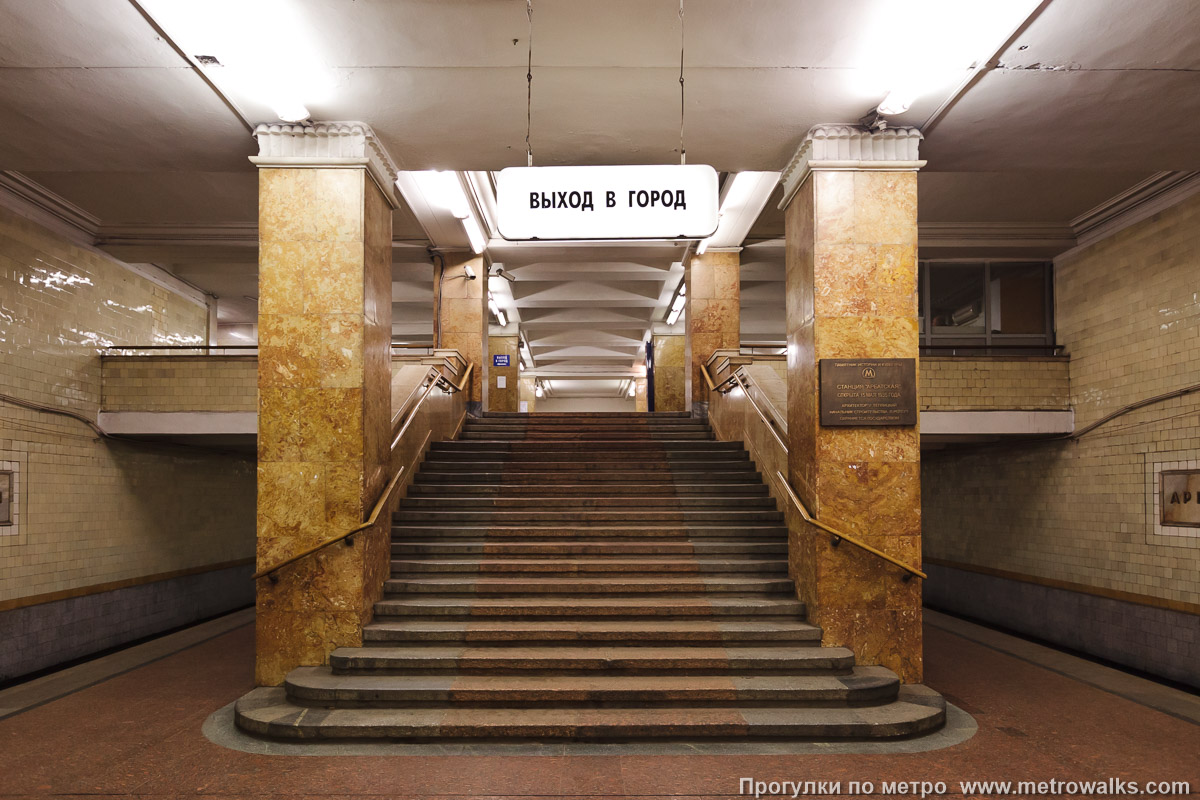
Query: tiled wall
[[97, 511], [180, 383], [1082, 512], [958, 383]]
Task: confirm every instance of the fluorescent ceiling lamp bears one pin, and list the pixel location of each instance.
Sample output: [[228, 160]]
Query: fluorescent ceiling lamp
[[920, 46], [537, 390], [632, 388], [500, 317], [475, 234], [443, 191], [678, 306], [745, 195], [521, 365], [258, 52]]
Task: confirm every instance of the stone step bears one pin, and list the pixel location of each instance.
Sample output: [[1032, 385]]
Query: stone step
[[643, 464], [589, 585], [433, 475], [680, 605], [594, 419], [467, 500], [676, 423], [638, 490], [574, 416], [584, 518], [501, 435], [728, 631], [638, 659], [402, 532], [321, 686], [595, 446], [611, 565], [267, 712], [553, 549], [608, 457]]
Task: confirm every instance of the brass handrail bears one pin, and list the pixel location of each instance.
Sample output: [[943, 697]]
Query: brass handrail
[[713, 387], [385, 496], [838, 536], [771, 426], [346, 537]]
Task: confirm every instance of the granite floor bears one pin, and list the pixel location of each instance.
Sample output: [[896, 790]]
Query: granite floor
[[137, 729]]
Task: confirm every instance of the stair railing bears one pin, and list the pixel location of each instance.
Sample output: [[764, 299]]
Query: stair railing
[[435, 379], [836, 536]]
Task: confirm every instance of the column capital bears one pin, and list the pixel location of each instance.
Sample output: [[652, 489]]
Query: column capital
[[347, 144], [851, 147]]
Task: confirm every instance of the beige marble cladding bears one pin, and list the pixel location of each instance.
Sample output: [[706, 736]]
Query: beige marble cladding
[[1083, 512], [1027, 383], [502, 399], [670, 373], [179, 383], [460, 312], [324, 377], [713, 313], [527, 394], [851, 293], [93, 511]]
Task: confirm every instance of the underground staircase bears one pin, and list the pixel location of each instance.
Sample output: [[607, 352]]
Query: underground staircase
[[603, 577]]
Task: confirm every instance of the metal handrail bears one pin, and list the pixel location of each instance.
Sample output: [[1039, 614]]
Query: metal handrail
[[346, 537], [708, 379], [770, 423], [385, 496], [837, 535]]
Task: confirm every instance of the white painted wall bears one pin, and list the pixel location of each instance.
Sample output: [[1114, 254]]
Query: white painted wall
[[585, 404]]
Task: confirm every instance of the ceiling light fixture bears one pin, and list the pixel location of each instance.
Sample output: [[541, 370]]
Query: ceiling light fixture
[[678, 306], [921, 46], [744, 195], [496, 312], [242, 45], [632, 388], [537, 390], [443, 191]]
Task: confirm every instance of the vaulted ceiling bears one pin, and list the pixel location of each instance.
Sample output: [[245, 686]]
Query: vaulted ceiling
[[109, 119]]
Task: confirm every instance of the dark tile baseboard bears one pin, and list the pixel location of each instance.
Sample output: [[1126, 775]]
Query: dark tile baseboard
[[1157, 641], [48, 634]]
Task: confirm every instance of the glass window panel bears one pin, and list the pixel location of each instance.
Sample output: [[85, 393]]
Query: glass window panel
[[1018, 299], [956, 298], [921, 296]]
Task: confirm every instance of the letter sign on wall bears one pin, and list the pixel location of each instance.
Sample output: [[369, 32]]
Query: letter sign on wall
[[6, 490], [630, 202], [1180, 499]]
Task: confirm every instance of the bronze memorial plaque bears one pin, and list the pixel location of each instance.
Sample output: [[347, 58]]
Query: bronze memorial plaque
[[868, 392], [1180, 498]]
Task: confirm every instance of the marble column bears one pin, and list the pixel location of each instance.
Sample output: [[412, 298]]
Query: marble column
[[502, 398], [851, 250], [324, 376], [639, 397], [460, 314], [670, 372], [713, 317], [527, 394]]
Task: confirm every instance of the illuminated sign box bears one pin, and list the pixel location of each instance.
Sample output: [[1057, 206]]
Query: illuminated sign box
[[628, 202]]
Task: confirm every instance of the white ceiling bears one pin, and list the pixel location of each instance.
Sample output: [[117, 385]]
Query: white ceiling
[[1090, 98]]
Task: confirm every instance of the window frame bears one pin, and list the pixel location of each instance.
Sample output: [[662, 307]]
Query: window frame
[[942, 343]]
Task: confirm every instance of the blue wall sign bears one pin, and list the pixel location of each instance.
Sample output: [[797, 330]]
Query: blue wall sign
[[500, 361]]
